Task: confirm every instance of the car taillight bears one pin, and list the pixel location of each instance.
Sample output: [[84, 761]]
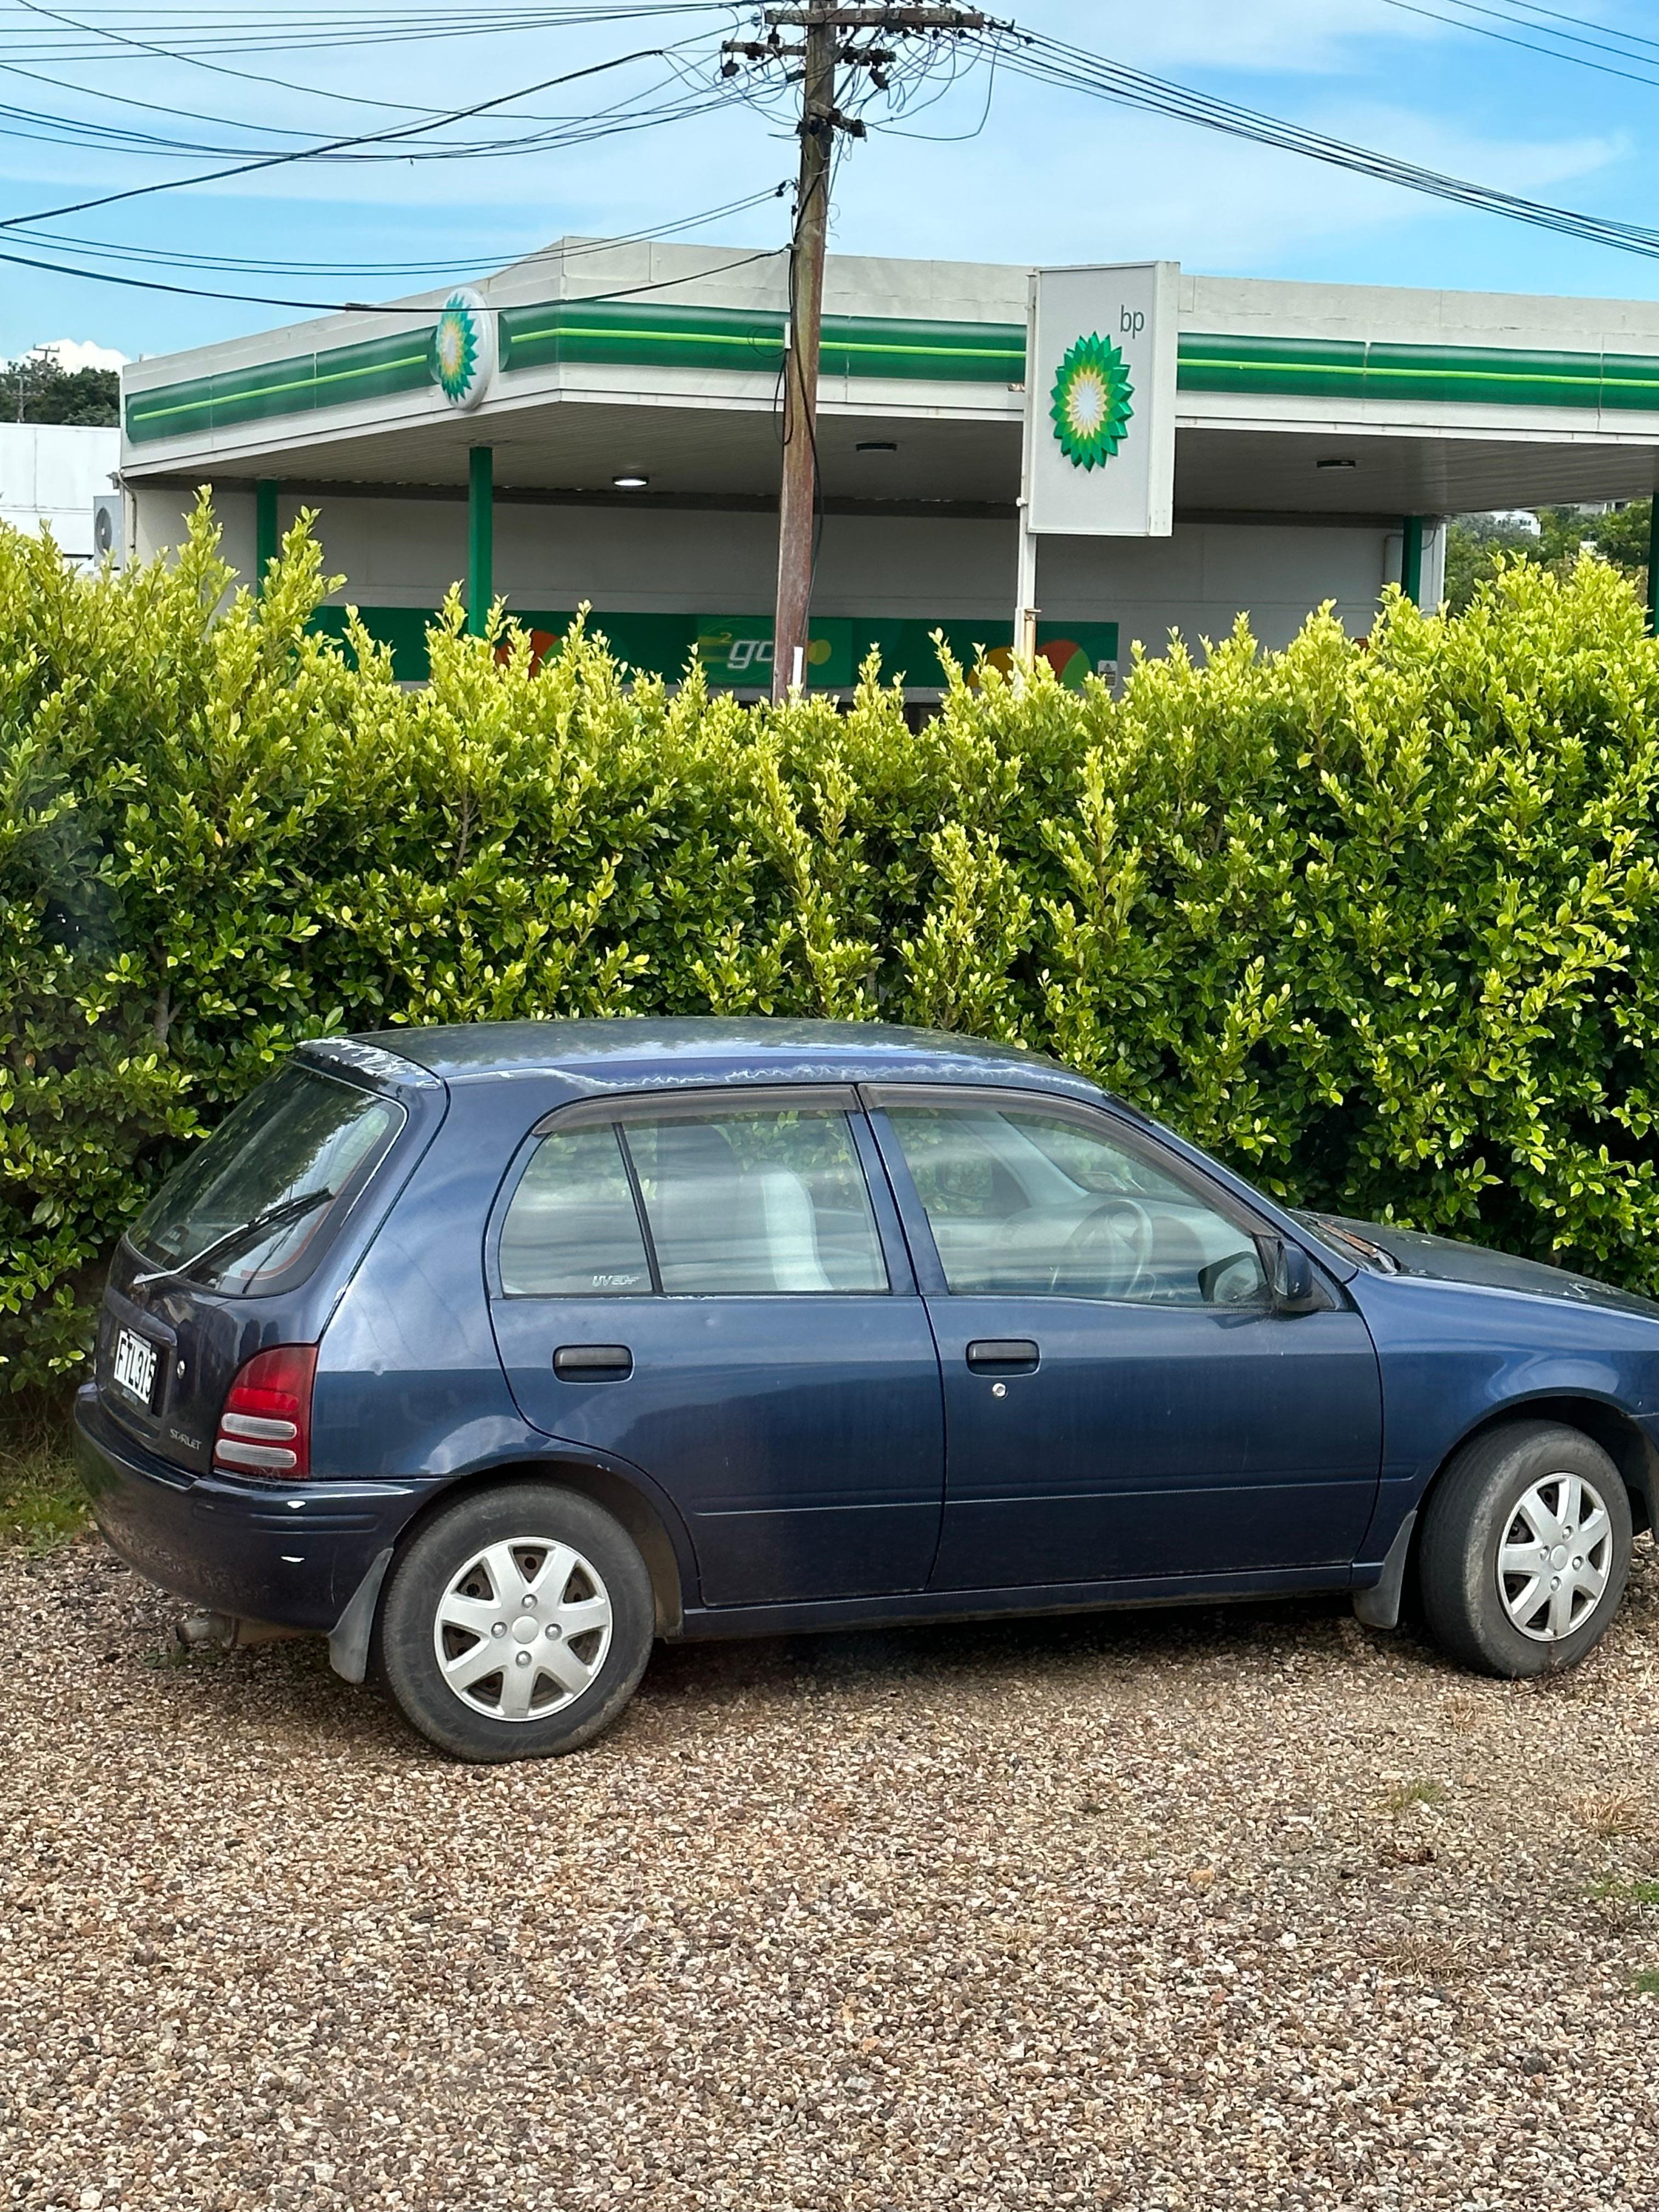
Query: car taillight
[[265, 1428]]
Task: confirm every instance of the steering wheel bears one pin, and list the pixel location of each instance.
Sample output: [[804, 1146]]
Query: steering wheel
[[1118, 1232]]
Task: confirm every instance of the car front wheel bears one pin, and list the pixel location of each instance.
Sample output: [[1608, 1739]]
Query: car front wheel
[[1526, 1549], [517, 1624]]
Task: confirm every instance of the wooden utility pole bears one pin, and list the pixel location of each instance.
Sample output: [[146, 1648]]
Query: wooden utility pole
[[797, 493], [828, 42]]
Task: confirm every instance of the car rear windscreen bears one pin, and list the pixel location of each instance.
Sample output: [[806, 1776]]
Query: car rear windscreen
[[248, 1212]]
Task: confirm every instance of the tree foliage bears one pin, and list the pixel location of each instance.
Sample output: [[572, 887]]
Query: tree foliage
[[36, 390], [1478, 545], [1379, 923]]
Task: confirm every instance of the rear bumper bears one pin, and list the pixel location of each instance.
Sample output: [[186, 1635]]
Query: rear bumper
[[291, 1553]]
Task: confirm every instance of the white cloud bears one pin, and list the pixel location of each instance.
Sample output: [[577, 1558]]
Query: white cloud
[[74, 354]]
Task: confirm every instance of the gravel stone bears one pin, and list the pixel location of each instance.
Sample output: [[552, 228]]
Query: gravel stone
[[1170, 1912]]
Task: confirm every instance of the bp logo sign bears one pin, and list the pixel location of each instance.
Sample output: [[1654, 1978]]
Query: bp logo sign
[[1090, 401], [463, 348]]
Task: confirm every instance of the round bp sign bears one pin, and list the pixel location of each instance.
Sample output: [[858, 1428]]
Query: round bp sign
[[464, 348], [1090, 406]]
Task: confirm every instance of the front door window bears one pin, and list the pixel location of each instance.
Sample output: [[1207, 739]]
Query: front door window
[[1027, 1203]]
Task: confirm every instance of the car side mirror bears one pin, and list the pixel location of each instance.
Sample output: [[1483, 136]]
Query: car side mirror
[[1290, 1276]]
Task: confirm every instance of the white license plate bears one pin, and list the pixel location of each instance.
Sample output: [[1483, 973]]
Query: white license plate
[[135, 1365]]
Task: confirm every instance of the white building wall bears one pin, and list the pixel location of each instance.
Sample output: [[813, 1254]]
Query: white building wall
[[49, 476], [1200, 579], [407, 552], [161, 520]]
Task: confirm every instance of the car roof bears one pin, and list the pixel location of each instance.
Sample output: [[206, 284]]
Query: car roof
[[626, 1053]]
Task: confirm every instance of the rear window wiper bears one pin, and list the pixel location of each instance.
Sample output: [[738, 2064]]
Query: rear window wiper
[[291, 1209]]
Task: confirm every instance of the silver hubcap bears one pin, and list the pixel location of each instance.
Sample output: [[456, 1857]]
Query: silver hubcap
[[1555, 1557], [523, 1629]]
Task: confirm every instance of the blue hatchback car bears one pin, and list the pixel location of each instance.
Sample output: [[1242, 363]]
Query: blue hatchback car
[[495, 1353]]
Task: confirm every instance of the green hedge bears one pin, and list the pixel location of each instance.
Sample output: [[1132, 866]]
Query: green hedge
[[1378, 923]]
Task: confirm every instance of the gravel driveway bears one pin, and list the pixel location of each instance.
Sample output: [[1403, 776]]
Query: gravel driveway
[[1145, 1911]]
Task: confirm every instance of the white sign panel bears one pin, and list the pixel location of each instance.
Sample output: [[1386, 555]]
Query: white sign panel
[[1100, 401]]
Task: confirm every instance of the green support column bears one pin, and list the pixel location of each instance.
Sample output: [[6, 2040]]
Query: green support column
[[1411, 558], [264, 528], [1653, 568], [480, 537]]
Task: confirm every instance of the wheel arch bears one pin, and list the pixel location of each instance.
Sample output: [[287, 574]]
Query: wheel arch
[[1622, 1439], [1607, 1424], [627, 1502]]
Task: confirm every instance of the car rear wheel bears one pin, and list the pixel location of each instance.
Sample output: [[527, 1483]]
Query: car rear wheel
[[517, 1624], [1526, 1550]]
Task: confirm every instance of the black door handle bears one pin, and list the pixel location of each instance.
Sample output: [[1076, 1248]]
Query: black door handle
[[594, 1363], [1002, 1355]]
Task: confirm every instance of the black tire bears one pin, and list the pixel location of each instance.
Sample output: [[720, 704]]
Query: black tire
[[1472, 1512], [522, 1517]]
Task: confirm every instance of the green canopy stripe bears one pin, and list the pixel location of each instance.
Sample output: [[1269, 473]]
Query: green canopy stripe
[[745, 339]]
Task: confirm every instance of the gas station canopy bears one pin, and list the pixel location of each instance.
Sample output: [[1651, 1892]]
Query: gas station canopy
[[628, 420]]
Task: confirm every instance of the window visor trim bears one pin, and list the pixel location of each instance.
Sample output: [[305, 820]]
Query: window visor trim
[[626, 1106], [622, 1110]]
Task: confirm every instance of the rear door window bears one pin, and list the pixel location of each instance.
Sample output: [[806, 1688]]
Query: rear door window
[[759, 1203], [573, 1230], [728, 1204], [249, 1211]]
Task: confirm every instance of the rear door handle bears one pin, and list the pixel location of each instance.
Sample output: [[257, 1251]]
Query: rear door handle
[[594, 1363], [1002, 1355]]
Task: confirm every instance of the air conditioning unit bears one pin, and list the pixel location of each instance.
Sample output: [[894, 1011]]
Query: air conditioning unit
[[109, 528]]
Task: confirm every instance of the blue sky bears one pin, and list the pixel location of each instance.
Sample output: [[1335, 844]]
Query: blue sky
[[1041, 176]]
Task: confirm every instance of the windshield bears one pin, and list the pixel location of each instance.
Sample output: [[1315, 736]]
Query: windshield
[[302, 1135]]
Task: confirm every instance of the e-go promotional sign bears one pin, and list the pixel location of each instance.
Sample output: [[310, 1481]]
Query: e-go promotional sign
[[1100, 400]]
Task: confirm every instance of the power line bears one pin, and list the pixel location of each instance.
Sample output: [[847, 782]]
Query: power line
[[411, 143], [408, 146], [277, 160], [1520, 12], [316, 39], [372, 308], [1048, 61], [325, 28], [1526, 45], [283, 84], [243, 265], [160, 107]]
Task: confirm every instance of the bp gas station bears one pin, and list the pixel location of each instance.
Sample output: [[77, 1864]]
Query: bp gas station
[[1125, 451]]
